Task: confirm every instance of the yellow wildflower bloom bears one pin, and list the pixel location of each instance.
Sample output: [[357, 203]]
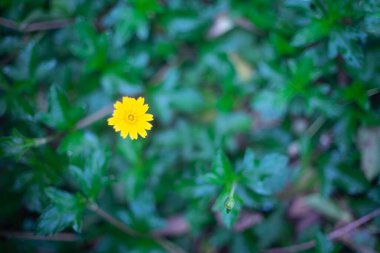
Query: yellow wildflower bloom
[[130, 118]]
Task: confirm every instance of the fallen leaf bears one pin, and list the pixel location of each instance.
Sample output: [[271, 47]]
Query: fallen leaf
[[369, 146]]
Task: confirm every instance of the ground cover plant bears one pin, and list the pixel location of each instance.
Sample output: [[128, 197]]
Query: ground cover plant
[[190, 126]]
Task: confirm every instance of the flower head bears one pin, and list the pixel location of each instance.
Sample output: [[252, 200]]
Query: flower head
[[130, 118]]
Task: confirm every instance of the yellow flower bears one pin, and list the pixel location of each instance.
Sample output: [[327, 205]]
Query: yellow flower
[[130, 117]]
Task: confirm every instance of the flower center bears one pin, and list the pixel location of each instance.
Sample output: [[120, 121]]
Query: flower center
[[131, 117]]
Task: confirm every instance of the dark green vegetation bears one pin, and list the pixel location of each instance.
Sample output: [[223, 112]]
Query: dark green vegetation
[[266, 130]]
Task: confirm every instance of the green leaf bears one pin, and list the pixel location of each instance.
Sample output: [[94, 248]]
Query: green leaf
[[281, 44], [148, 7], [182, 26], [133, 180], [77, 144], [90, 46], [222, 168], [372, 23], [302, 74], [346, 43], [72, 143], [18, 144], [131, 151], [272, 229], [186, 100], [270, 105], [350, 179], [166, 100], [214, 179], [88, 162], [45, 69], [65, 210], [313, 32], [323, 244], [268, 177], [357, 93], [233, 123], [91, 177], [128, 22], [143, 212], [114, 84], [61, 114], [24, 68]]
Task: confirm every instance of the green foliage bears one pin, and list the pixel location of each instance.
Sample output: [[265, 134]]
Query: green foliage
[[60, 115], [267, 176], [65, 210], [88, 162], [266, 124], [324, 245]]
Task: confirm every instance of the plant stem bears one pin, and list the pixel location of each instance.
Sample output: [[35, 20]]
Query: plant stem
[[331, 236], [88, 120], [167, 245], [107, 217], [37, 26], [315, 126], [60, 237], [233, 188]]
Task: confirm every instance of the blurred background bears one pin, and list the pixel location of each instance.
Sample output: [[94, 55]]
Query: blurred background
[[266, 131]]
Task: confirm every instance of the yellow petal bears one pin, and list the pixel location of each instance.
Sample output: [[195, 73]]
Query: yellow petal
[[142, 133], [141, 109], [117, 105], [128, 101], [111, 121], [147, 126], [124, 134], [147, 117], [133, 135], [140, 101]]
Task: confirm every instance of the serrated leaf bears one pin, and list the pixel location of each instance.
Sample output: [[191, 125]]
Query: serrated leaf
[[61, 114], [346, 43], [78, 143], [222, 167], [17, 144], [211, 178], [269, 176], [58, 197], [44, 68], [303, 72], [91, 178], [313, 32], [372, 23], [65, 210], [24, 65], [88, 162]]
